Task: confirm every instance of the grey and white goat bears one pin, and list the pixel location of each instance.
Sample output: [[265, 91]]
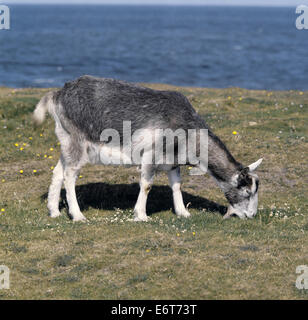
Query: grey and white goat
[[84, 108]]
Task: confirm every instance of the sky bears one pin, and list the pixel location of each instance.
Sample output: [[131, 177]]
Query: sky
[[169, 2]]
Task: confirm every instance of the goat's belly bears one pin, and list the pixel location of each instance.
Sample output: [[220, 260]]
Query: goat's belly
[[107, 155]]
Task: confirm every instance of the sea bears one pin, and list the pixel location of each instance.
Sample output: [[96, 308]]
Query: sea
[[196, 46]]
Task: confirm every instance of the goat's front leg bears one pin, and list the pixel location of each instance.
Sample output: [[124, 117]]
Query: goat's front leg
[[175, 184], [70, 175], [146, 181]]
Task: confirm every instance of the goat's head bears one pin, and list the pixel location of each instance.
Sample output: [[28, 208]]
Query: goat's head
[[243, 193]]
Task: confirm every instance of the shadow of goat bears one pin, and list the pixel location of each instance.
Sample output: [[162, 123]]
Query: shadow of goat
[[104, 196]]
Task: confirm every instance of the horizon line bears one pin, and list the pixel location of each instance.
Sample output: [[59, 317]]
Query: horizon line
[[152, 4]]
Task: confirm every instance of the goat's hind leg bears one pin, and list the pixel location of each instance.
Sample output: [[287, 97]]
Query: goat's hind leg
[[70, 175], [55, 190], [74, 157]]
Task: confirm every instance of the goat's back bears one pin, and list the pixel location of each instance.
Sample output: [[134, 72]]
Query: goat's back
[[94, 104]]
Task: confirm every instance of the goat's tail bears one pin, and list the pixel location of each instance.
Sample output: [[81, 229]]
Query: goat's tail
[[45, 104]]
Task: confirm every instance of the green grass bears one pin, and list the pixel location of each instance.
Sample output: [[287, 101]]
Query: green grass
[[204, 257]]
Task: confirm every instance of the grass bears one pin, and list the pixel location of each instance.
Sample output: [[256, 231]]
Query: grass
[[204, 257]]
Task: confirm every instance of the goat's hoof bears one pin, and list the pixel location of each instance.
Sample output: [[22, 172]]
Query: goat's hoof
[[141, 219], [54, 214], [80, 219], [184, 214]]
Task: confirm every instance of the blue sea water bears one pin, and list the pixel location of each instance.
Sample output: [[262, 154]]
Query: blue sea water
[[255, 48]]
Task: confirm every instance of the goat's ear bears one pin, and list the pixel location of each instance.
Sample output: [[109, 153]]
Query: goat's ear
[[255, 165]]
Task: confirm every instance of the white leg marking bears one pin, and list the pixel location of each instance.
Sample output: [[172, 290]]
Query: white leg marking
[[146, 181], [70, 175], [174, 177], [54, 190]]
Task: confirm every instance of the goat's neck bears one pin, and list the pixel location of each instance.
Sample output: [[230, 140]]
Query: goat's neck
[[221, 164]]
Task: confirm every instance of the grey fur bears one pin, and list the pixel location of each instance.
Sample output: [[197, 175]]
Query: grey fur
[[88, 105], [94, 104]]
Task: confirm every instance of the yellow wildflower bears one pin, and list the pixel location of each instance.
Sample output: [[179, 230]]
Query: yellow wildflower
[[51, 149], [30, 138], [34, 171], [16, 144], [21, 171], [2, 210], [234, 132]]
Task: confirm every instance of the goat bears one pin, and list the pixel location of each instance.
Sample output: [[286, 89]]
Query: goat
[[85, 107]]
